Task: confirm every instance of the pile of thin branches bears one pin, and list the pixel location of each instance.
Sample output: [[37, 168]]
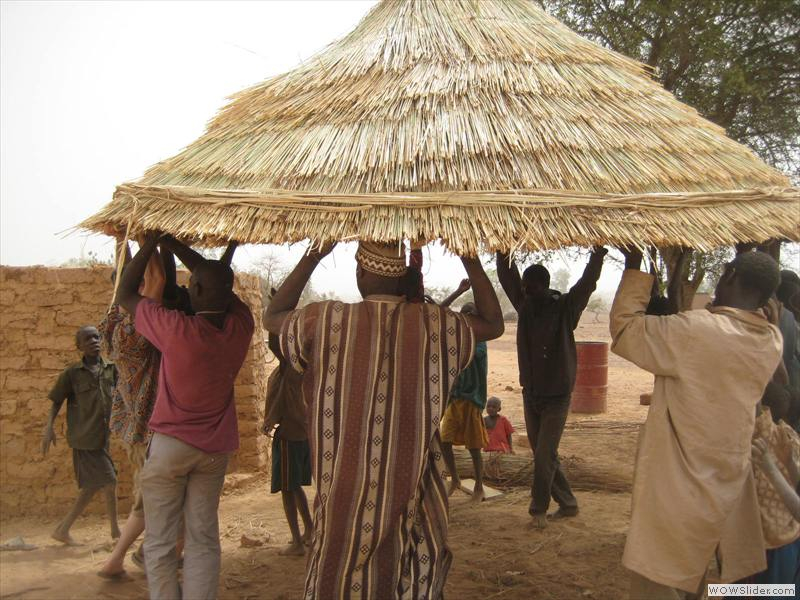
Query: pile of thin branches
[[516, 470]]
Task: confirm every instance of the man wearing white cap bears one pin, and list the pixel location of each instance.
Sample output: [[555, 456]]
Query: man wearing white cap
[[378, 375]]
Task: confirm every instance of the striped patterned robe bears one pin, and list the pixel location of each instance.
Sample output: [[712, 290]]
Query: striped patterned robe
[[379, 374]]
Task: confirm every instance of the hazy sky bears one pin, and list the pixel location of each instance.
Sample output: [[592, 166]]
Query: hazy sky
[[93, 93]]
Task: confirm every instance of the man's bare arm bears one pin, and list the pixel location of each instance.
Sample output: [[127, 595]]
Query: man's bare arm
[[227, 256], [121, 247], [508, 274], [288, 295], [488, 323], [462, 287], [185, 254], [584, 287], [128, 291]]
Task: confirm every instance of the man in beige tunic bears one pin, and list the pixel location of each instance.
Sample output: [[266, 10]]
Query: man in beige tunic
[[693, 488]]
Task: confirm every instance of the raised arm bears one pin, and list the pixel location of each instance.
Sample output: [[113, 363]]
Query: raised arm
[[656, 344], [170, 272], [288, 295], [462, 287], [154, 278], [508, 274], [580, 293], [122, 246], [185, 254], [128, 290], [488, 323], [227, 256], [273, 339]]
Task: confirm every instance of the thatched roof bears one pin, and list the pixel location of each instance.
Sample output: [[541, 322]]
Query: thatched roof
[[480, 122]]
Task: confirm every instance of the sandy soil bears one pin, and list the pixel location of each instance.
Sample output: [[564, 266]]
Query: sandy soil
[[496, 554]]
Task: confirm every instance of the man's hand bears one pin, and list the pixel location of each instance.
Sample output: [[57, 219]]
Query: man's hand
[[633, 258], [763, 457], [322, 251], [114, 231], [463, 286], [48, 437], [148, 236]]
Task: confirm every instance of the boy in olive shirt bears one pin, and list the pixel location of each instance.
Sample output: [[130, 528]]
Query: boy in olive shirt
[[86, 386]]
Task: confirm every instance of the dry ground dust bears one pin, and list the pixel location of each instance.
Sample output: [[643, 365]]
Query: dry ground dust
[[496, 554]]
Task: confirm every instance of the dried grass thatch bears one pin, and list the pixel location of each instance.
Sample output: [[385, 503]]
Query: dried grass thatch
[[516, 470], [486, 123]]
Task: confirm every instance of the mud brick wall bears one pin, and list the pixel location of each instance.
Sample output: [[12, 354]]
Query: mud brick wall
[[40, 310]]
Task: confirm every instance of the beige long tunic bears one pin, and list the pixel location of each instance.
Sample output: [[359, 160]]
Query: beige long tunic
[[693, 486]]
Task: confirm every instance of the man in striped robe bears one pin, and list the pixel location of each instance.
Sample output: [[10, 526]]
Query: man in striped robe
[[378, 375]]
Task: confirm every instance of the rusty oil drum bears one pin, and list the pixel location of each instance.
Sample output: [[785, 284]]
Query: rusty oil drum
[[591, 381]]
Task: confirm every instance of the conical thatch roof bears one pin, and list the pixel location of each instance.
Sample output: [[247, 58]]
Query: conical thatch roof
[[481, 122]]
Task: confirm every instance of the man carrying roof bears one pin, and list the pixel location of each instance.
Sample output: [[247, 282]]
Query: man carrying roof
[[378, 374], [693, 490]]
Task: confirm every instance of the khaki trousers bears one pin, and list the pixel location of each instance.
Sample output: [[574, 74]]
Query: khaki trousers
[[178, 480]]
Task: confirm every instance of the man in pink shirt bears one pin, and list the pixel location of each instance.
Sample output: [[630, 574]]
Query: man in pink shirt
[[194, 419]]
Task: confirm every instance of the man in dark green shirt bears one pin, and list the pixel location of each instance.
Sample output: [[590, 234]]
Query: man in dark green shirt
[[86, 386]]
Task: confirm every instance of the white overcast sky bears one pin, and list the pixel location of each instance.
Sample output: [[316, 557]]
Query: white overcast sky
[[93, 93]]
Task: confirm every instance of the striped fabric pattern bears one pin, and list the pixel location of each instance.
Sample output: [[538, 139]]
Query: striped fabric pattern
[[379, 375]]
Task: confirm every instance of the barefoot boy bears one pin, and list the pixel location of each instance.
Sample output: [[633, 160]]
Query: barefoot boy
[[498, 427], [87, 387], [462, 423], [291, 457]]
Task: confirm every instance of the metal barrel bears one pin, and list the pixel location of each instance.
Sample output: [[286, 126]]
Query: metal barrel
[[591, 381]]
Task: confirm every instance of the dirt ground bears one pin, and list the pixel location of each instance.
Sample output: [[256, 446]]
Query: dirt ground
[[496, 554]]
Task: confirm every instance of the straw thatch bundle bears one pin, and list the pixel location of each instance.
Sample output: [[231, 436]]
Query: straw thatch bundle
[[515, 470], [481, 122]]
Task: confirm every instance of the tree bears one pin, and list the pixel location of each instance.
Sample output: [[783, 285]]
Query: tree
[[271, 272], [269, 268], [735, 61], [597, 305], [560, 280], [90, 259]]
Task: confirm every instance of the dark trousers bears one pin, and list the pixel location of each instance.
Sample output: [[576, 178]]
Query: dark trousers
[[545, 417]]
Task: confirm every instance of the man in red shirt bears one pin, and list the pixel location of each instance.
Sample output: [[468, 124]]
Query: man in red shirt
[[194, 419]]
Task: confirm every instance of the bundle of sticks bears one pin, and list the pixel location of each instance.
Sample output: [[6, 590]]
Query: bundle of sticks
[[516, 470]]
